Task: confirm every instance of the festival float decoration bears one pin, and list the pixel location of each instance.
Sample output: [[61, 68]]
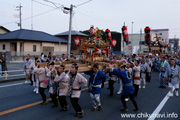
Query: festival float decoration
[[77, 41], [125, 34], [157, 45], [113, 43], [96, 47]]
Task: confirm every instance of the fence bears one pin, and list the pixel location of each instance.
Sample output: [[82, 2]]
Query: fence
[[12, 74], [21, 56], [14, 53]]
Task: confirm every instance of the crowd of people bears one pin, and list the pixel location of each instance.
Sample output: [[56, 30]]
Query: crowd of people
[[131, 75], [43, 59]]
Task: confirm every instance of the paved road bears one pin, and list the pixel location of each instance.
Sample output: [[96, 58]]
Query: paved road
[[18, 102]]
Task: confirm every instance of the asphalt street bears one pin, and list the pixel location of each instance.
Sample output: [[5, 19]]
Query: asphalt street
[[18, 102]]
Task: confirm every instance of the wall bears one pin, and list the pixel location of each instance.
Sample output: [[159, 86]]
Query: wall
[[7, 46], [163, 33], [28, 46], [28, 49], [174, 45], [136, 42], [2, 31], [73, 46], [63, 48]]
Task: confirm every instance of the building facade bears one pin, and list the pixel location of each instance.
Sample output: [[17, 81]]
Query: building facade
[[136, 41], [162, 33], [174, 45], [74, 34], [17, 44], [3, 30]]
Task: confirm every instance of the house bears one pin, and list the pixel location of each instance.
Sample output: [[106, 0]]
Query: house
[[64, 35], [3, 30], [17, 44]]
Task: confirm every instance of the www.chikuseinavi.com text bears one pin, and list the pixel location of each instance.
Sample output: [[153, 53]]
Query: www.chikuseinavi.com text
[[147, 115]]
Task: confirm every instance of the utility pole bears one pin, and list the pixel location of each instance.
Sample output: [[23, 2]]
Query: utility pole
[[70, 27], [20, 13], [59, 48], [132, 39], [31, 14], [70, 21], [140, 38], [123, 42]]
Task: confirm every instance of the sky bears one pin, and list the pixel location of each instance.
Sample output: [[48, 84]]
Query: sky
[[111, 14]]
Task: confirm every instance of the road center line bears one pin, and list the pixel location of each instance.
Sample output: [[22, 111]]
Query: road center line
[[159, 107], [11, 85]]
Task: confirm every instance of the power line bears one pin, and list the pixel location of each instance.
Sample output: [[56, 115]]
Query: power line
[[113, 24], [32, 16], [42, 3], [55, 4], [67, 10], [40, 13], [83, 3], [109, 21], [75, 22]]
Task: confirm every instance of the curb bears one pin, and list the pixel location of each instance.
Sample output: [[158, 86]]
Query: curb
[[17, 79]]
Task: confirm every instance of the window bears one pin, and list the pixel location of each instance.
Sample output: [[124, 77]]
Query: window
[[3, 46], [160, 33], [34, 48]]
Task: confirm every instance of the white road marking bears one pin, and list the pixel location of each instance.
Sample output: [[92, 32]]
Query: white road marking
[[11, 85], [159, 107]]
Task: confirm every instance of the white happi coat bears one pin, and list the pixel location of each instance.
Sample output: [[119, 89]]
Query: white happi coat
[[79, 79], [110, 75], [144, 68], [130, 71], [41, 76], [51, 74], [165, 67], [26, 65], [136, 75], [33, 74], [174, 79], [63, 84]]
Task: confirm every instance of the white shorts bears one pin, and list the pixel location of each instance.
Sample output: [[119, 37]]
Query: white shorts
[[170, 85]]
